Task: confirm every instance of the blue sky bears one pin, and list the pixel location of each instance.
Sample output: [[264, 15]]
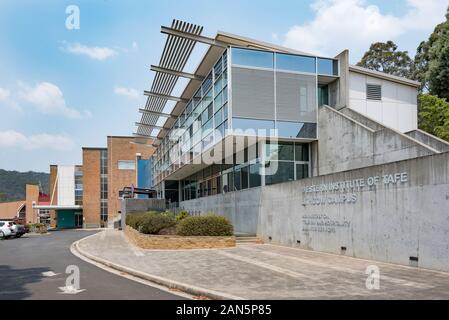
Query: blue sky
[[63, 89]]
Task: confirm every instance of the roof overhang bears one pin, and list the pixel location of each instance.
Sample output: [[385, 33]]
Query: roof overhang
[[181, 39], [57, 207]]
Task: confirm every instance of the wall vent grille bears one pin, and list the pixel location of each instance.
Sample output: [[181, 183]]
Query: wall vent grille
[[373, 92]]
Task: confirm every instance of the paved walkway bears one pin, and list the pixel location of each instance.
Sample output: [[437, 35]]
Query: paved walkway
[[254, 271]]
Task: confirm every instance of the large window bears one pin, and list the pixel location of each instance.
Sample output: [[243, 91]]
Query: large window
[[295, 63], [104, 185], [327, 67], [252, 58]]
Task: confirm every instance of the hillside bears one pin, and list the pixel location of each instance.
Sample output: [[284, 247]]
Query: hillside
[[12, 183]]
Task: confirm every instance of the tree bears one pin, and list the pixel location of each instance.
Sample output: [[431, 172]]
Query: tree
[[385, 57], [431, 61], [433, 115]]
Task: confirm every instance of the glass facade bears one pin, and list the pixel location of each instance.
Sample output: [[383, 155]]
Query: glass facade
[[78, 186], [264, 163], [104, 185], [246, 89]]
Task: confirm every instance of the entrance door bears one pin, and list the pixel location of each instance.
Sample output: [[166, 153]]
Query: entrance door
[[78, 219], [65, 219]]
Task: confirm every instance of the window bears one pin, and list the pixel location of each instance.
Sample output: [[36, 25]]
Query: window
[[284, 172], [255, 179], [252, 58], [252, 124], [327, 67], [295, 63], [301, 152], [296, 129], [373, 92], [302, 171], [126, 165]]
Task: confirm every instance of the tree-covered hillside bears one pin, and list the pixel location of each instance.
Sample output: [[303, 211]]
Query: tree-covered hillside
[[12, 183]]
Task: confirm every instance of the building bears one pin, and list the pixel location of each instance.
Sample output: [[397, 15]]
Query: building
[[23, 209], [300, 149], [87, 195]]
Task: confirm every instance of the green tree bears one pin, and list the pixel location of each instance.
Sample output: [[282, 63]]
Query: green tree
[[432, 61], [433, 115], [385, 57]]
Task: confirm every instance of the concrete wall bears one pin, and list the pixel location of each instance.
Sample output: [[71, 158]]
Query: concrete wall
[[129, 206], [389, 221], [66, 185], [430, 140], [346, 143], [241, 208], [398, 107]]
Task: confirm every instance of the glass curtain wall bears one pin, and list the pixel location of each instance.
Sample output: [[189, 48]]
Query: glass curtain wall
[[288, 161], [104, 185], [202, 123]]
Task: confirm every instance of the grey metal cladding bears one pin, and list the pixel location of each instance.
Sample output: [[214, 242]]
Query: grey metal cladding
[[252, 93], [295, 97]]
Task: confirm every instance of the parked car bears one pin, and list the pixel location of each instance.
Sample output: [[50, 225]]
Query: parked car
[[18, 230], [5, 229]]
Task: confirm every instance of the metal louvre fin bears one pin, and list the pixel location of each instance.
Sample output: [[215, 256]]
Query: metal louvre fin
[[175, 55]]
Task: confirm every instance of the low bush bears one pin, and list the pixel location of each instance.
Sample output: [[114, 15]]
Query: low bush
[[209, 225], [151, 222], [182, 215]]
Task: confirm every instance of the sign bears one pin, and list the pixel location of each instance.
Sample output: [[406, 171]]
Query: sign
[[345, 192]]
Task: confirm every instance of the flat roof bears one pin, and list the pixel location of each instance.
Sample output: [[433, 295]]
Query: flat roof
[[382, 75], [176, 52]]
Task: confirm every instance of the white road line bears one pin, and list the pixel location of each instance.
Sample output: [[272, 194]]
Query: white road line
[[50, 274]]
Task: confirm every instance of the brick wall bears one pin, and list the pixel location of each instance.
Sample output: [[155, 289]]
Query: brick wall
[[53, 193], [120, 148], [91, 186], [8, 210], [32, 195]]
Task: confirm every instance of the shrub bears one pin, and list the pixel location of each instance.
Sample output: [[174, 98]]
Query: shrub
[[210, 225], [133, 220], [182, 215], [153, 223]]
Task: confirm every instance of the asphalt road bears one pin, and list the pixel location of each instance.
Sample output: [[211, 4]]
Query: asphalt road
[[34, 267]]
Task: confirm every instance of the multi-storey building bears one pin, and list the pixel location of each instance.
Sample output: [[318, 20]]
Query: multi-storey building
[[255, 114], [87, 195]]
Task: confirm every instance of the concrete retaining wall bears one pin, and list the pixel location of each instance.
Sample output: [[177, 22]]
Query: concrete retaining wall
[[170, 242], [404, 216]]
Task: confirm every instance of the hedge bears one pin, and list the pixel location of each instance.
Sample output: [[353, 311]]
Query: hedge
[[210, 225], [151, 222]]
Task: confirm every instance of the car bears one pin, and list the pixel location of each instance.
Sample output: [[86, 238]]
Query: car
[[5, 229], [18, 230]]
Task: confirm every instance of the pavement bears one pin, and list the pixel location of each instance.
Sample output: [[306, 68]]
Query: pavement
[[264, 271], [34, 267]]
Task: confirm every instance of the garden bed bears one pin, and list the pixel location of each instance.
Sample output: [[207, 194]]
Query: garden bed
[[174, 242]]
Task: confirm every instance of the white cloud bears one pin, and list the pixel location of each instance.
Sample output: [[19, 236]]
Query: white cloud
[[355, 24], [4, 94], [14, 139], [48, 99], [127, 92], [96, 53]]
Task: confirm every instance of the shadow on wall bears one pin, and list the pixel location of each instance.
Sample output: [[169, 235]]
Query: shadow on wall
[[13, 282]]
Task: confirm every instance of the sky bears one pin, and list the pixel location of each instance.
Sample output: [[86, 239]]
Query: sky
[[63, 88]]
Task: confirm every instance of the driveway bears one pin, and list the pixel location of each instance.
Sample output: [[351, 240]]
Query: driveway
[[34, 267]]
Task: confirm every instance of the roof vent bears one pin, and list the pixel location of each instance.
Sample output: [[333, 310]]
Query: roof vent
[[373, 92]]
